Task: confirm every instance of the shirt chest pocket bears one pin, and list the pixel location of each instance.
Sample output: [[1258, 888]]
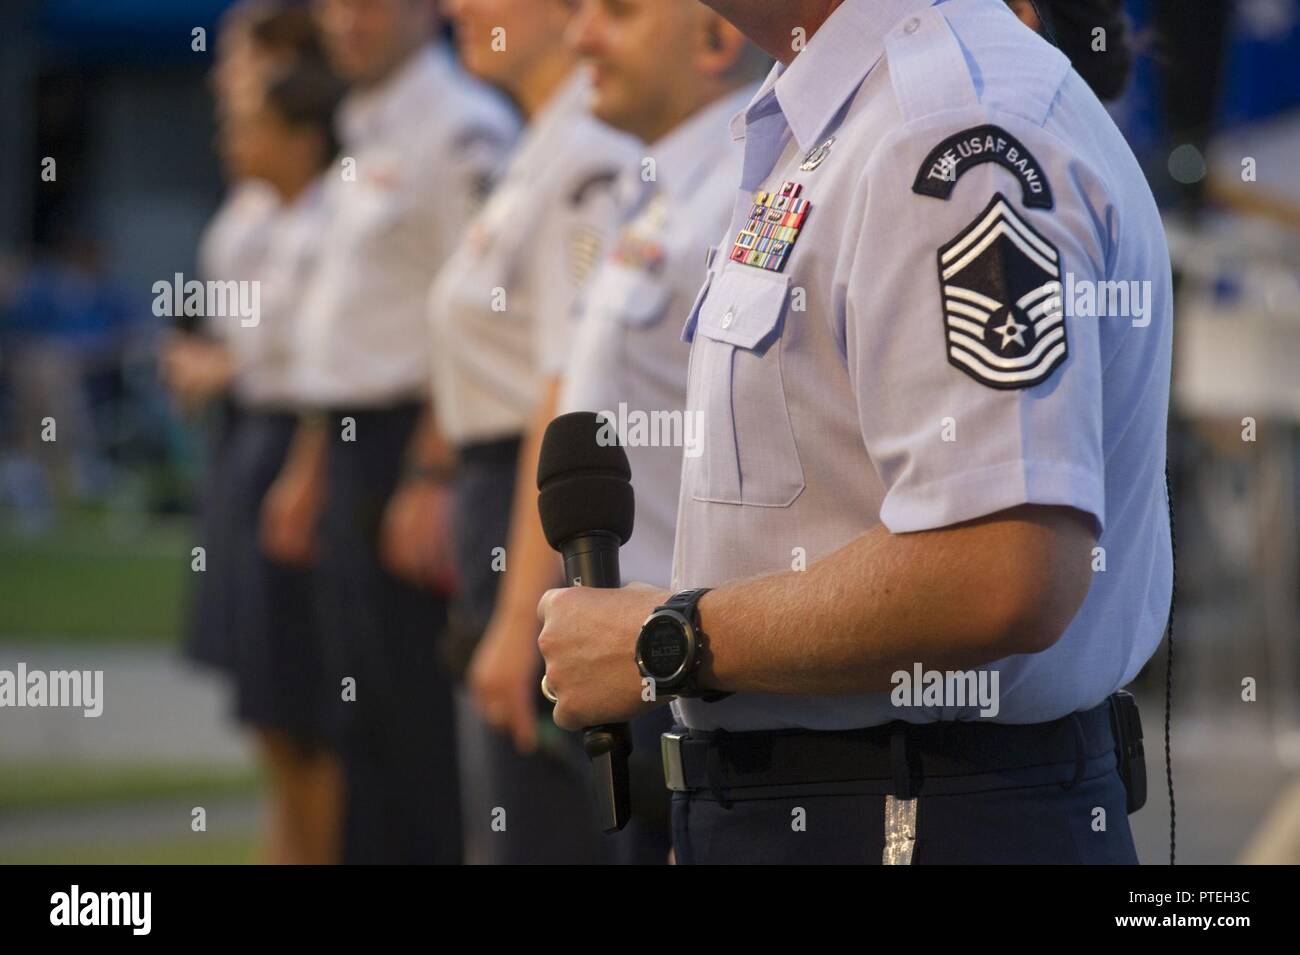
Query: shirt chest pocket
[[736, 386]]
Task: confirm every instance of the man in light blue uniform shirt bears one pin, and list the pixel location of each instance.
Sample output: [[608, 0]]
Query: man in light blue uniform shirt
[[931, 502]]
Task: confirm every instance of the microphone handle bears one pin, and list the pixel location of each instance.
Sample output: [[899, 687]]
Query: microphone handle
[[592, 561]]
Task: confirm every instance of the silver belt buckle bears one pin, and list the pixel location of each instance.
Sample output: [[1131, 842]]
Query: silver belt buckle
[[670, 745]]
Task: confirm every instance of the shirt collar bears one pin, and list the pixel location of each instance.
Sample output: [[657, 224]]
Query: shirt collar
[[571, 99], [399, 100], [695, 143], [822, 77]]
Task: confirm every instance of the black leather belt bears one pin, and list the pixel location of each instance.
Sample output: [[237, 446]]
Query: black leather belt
[[897, 757]]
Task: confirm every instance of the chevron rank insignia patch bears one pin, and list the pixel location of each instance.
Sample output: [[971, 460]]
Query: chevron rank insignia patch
[[1001, 282]]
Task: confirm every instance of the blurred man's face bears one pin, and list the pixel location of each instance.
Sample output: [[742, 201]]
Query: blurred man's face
[[500, 39], [241, 65], [367, 39], [640, 52]]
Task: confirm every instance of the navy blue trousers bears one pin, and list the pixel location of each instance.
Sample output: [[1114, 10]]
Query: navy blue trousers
[[398, 737], [547, 796], [1036, 816]]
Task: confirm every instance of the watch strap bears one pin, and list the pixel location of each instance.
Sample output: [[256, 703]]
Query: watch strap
[[686, 603]]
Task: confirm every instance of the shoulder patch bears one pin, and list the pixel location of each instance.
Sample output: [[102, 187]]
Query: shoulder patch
[[963, 151], [585, 244], [1001, 283]]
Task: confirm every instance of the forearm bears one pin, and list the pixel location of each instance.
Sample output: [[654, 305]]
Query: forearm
[[532, 567], [427, 450], [952, 599], [306, 456]]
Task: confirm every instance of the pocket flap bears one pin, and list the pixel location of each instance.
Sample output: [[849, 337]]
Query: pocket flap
[[693, 316], [744, 306]]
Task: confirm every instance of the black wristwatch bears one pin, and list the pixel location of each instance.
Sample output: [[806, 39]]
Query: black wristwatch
[[672, 646]]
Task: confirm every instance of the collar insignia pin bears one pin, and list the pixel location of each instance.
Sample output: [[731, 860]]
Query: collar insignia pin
[[816, 156]]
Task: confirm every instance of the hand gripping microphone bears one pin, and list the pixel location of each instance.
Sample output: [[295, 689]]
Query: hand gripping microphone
[[587, 508]]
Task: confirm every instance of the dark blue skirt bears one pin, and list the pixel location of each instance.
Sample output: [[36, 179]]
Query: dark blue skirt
[[209, 626], [279, 664]]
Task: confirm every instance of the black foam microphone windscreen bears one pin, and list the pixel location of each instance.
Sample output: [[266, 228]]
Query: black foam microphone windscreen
[[584, 480]]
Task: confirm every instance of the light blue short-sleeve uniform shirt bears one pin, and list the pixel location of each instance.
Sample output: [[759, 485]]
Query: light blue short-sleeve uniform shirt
[[627, 358], [500, 309], [905, 326]]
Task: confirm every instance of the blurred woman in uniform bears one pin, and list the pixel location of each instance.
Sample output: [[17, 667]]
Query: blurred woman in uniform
[[257, 38], [280, 137]]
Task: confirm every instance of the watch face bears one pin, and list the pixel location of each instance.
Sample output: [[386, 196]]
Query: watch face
[[663, 648]]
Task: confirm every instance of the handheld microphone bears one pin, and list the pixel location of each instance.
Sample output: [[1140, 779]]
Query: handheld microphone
[[587, 509]]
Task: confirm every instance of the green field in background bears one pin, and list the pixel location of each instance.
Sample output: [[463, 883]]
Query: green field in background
[[79, 790], [96, 576], [40, 786]]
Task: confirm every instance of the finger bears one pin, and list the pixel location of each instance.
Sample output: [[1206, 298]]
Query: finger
[[564, 717], [544, 605], [272, 537], [482, 699], [524, 721], [390, 551]]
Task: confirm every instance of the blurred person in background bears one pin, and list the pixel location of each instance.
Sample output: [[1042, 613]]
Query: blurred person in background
[[672, 73], [362, 489], [500, 312], [64, 331], [257, 37], [278, 137]]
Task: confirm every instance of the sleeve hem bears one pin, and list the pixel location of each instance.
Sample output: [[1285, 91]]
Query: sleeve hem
[[973, 494]]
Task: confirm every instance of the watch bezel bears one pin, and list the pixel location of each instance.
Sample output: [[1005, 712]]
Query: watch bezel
[[692, 643]]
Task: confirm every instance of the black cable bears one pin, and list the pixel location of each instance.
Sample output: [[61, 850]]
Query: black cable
[[1169, 661]]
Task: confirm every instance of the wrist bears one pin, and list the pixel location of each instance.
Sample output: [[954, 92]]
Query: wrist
[[707, 677], [673, 649], [515, 621]]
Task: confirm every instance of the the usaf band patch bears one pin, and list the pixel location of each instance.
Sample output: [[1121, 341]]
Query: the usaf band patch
[[958, 154], [1001, 283]]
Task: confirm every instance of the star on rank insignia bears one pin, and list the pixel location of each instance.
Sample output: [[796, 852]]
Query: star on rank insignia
[[774, 222], [1001, 282]]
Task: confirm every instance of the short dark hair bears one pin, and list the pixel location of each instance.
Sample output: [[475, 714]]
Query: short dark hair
[[307, 94], [281, 27]]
